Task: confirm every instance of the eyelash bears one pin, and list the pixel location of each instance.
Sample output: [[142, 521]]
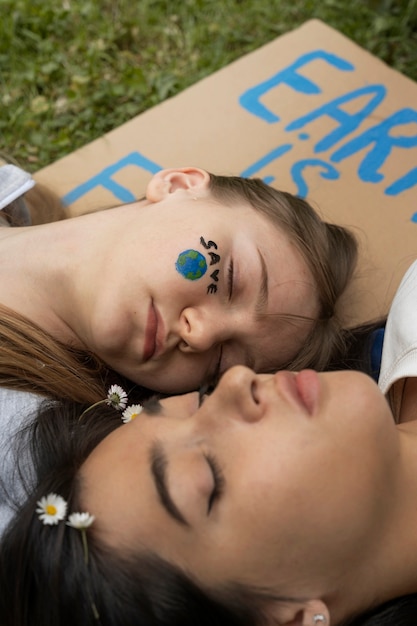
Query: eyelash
[[219, 481], [230, 279]]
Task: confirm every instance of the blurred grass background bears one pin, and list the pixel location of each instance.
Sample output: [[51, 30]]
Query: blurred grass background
[[72, 70]]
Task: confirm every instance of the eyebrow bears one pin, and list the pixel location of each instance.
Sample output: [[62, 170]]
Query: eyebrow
[[159, 465], [263, 294]]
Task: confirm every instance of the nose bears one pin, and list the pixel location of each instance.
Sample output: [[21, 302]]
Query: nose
[[200, 330], [240, 390]]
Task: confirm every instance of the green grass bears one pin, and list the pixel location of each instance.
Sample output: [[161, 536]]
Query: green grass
[[71, 70]]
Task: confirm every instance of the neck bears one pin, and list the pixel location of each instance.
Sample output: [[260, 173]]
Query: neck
[[47, 271], [31, 275]]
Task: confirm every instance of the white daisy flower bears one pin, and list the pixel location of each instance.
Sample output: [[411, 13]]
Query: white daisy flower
[[51, 509], [80, 520], [131, 412], [117, 397]]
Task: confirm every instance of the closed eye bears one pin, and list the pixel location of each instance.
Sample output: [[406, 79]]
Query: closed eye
[[219, 482]]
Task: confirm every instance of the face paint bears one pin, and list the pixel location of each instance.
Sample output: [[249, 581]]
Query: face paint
[[208, 245], [191, 264], [214, 259]]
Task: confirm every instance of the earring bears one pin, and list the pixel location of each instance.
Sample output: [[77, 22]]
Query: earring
[[319, 618]]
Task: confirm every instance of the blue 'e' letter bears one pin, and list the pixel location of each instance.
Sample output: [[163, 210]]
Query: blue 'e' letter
[[249, 100]]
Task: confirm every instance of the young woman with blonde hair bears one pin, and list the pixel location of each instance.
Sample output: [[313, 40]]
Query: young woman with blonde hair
[[114, 289]]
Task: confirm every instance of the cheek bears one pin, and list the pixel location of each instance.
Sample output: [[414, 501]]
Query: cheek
[[191, 265], [285, 481], [271, 477], [200, 264]]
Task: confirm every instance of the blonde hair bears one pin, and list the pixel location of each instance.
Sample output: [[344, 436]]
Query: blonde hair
[[44, 205], [32, 360], [330, 251]]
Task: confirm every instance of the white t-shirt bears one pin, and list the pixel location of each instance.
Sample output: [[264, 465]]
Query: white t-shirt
[[399, 352], [17, 409]]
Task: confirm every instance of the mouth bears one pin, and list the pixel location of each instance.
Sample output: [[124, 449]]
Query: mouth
[[153, 333], [308, 388], [301, 388]]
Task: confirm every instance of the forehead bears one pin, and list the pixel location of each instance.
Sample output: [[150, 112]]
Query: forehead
[[115, 483], [118, 489]]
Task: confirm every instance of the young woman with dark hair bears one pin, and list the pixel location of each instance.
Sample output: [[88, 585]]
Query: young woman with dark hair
[[283, 499]]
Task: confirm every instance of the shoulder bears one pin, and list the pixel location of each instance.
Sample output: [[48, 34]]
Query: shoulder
[[16, 404], [17, 409]]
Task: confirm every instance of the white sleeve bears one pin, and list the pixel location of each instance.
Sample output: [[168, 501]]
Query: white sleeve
[[14, 182], [17, 409], [399, 352]]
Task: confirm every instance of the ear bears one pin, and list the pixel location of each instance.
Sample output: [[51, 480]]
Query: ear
[[298, 613], [165, 182]]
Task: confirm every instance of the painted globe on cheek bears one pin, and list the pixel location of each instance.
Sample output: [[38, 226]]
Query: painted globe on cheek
[[191, 264]]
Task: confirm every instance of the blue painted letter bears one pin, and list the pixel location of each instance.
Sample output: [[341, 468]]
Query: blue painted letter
[[260, 163], [347, 122], [104, 179], [297, 173], [383, 143], [249, 100]]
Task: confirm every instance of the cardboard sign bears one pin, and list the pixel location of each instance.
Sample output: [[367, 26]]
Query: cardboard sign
[[311, 113]]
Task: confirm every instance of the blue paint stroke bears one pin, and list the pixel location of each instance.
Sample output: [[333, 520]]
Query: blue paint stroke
[[330, 173], [402, 184], [265, 160], [383, 142], [104, 179], [250, 99], [347, 122]]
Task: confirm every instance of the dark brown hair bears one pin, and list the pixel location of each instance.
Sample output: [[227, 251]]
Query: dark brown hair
[[44, 578]]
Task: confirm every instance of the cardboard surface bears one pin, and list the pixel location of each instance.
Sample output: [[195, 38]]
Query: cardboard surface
[[311, 113]]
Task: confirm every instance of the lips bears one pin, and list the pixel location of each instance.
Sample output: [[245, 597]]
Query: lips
[[308, 387], [301, 389], [153, 333]]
